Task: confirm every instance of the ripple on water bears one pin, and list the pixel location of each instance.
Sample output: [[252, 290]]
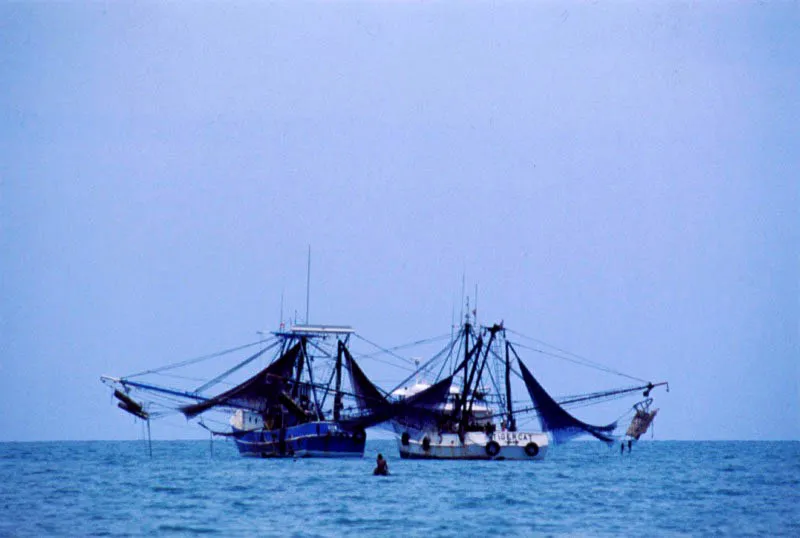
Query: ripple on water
[[187, 529], [661, 488], [172, 490]]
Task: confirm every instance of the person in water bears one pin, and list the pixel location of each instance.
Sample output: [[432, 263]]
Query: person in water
[[381, 467]]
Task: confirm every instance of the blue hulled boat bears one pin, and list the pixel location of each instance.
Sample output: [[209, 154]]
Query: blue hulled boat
[[283, 410], [323, 439]]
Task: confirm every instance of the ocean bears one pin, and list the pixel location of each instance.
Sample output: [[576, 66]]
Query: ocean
[[582, 488]]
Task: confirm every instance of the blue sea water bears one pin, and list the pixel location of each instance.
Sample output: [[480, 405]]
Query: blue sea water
[[582, 488]]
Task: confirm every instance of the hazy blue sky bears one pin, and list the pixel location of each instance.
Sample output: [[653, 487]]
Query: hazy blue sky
[[620, 179]]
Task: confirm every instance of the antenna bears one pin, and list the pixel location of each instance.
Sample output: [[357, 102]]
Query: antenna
[[463, 284], [475, 308], [281, 325], [308, 282]]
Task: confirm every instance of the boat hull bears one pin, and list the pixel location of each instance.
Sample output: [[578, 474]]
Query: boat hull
[[312, 439], [476, 446]]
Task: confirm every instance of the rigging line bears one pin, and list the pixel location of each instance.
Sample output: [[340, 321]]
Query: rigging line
[[451, 349], [577, 403], [519, 376], [625, 414], [321, 349], [394, 365], [162, 390], [195, 360], [310, 373], [569, 359], [586, 362], [511, 367], [494, 383], [580, 361], [401, 346], [328, 384], [387, 351], [587, 403], [165, 403], [590, 395], [374, 357], [600, 394], [581, 405], [289, 379], [347, 394], [485, 360], [183, 377], [568, 352], [242, 364], [424, 366]]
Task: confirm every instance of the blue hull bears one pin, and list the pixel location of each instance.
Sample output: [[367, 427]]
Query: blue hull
[[312, 439]]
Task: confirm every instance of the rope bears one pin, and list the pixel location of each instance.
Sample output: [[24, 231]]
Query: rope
[[194, 360], [574, 358], [424, 366], [401, 346], [230, 371]]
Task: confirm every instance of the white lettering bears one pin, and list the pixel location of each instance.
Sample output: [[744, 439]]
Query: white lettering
[[515, 437]]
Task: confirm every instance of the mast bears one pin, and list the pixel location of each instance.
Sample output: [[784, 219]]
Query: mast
[[493, 330], [313, 387], [337, 398], [466, 366], [510, 421], [475, 354], [308, 283], [300, 359], [280, 326], [475, 308]]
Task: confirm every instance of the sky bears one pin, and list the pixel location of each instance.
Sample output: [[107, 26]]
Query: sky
[[618, 179]]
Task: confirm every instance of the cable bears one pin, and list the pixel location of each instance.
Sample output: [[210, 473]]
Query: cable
[[195, 360], [577, 360]]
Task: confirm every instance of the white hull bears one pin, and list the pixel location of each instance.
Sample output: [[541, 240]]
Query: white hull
[[476, 445]]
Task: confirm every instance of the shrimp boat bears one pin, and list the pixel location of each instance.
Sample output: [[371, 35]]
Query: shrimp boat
[[469, 412], [296, 406]]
